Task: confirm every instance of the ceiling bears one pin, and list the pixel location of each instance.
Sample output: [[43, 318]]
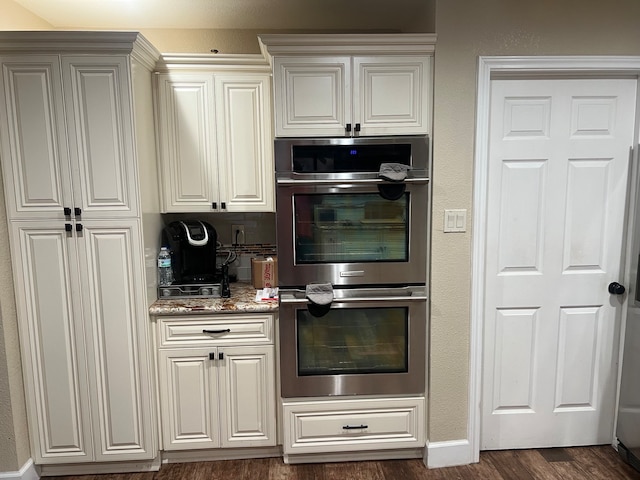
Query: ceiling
[[408, 16]]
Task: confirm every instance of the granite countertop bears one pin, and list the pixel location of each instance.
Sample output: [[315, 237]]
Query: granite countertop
[[242, 300]]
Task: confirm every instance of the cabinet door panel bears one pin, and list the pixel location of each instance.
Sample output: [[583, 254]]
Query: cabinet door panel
[[35, 162], [98, 107], [313, 95], [190, 399], [248, 387], [52, 341], [117, 326], [392, 95], [187, 142], [247, 179]]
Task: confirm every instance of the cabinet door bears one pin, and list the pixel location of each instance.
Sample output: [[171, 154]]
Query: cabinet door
[[116, 323], [312, 96], [247, 386], [189, 398], [35, 162], [392, 95], [99, 119], [52, 340], [245, 145], [186, 136]]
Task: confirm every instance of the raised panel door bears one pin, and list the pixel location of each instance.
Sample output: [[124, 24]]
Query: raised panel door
[[189, 397], [99, 119], [247, 385], [186, 136], [52, 338], [245, 147], [116, 322], [35, 161], [313, 96], [392, 95]]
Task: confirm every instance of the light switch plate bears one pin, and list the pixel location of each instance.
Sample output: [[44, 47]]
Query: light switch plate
[[455, 220]]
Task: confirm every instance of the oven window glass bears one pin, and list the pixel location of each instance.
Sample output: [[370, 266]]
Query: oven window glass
[[348, 228], [353, 341], [348, 158]]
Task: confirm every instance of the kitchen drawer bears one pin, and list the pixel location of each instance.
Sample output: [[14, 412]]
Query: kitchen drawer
[[224, 330], [371, 424]]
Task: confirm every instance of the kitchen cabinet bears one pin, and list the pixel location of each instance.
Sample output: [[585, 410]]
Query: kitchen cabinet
[[217, 381], [215, 138], [352, 425], [69, 141], [351, 85]]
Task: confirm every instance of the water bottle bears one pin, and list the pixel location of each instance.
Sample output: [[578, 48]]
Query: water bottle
[[165, 272]]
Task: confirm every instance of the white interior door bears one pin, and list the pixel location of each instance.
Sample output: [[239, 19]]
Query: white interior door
[[557, 186]]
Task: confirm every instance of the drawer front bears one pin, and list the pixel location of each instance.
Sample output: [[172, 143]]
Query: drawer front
[[337, 426], [216, 330]]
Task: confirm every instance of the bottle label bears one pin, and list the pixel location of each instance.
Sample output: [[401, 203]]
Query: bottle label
[[164, 262]]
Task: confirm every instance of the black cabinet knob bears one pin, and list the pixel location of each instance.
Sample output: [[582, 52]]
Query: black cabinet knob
[[616, 289], [78, 227], [68, 227], [67, 211], [77, 211]]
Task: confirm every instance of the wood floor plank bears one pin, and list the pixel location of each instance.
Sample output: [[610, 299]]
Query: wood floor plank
[[508, 464], [538, 465], [610, 458], [353, 471], [405, 469]]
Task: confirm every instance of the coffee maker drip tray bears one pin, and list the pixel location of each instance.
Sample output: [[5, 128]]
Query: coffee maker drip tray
[[192, 290]]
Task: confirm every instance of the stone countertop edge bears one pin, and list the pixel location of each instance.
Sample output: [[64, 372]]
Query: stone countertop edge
[[242, 300]]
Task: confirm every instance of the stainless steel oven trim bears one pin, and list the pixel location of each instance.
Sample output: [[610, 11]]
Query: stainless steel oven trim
[[412, 382], [413, 271], [335, 179]]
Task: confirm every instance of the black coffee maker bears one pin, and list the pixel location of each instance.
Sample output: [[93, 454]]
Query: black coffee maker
[[193, 251]]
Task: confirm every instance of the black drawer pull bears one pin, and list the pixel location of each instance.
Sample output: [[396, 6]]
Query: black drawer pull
[[354, 427], [217, 331]]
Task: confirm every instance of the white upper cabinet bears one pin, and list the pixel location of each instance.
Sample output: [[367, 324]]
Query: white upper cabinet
[[351, 85], [215, 135], [68, 143]]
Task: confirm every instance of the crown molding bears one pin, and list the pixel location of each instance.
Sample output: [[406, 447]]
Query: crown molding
[[347, 44], [206, 62]]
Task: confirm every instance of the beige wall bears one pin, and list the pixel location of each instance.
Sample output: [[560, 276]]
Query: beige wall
[[467, 29]]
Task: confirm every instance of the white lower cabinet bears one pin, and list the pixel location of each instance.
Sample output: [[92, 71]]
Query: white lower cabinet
[[220, 392], [330, 426]]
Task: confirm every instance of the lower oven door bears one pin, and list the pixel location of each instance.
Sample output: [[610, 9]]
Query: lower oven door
[[367, 342]]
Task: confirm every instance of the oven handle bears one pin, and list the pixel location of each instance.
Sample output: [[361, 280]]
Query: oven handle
[[289, 181], [402, 294]]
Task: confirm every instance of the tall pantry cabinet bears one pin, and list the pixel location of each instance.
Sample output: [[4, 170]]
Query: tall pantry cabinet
[[77, 144]]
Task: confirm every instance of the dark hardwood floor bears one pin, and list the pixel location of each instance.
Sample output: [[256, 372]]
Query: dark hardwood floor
[[581, 463]]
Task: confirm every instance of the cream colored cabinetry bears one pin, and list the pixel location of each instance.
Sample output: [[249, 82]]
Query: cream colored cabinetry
[[217, 381], [215, 137], [352, 425], [70, 181], [359, 85]]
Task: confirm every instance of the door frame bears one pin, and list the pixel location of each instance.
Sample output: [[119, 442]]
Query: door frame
[[525, 67]]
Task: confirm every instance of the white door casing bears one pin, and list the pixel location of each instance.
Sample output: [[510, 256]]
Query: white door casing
[[557, 186]]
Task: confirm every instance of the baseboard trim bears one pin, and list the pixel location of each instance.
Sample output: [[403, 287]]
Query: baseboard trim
[[448, 454], [27, 472], [402, 454], [210, 455], [97, 468]]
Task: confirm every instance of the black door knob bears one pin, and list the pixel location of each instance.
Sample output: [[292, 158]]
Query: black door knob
[[616, 289]]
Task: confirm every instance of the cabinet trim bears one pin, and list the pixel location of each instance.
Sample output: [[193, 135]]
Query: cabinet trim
[[349, 44]]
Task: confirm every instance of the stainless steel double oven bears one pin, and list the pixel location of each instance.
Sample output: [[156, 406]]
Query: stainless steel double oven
[[343, 220]]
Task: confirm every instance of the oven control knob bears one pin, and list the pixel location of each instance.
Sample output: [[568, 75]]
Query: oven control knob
[[166, 292], [205, 291]]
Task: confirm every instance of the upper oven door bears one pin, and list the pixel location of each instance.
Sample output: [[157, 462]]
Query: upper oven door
[[358, 232]]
